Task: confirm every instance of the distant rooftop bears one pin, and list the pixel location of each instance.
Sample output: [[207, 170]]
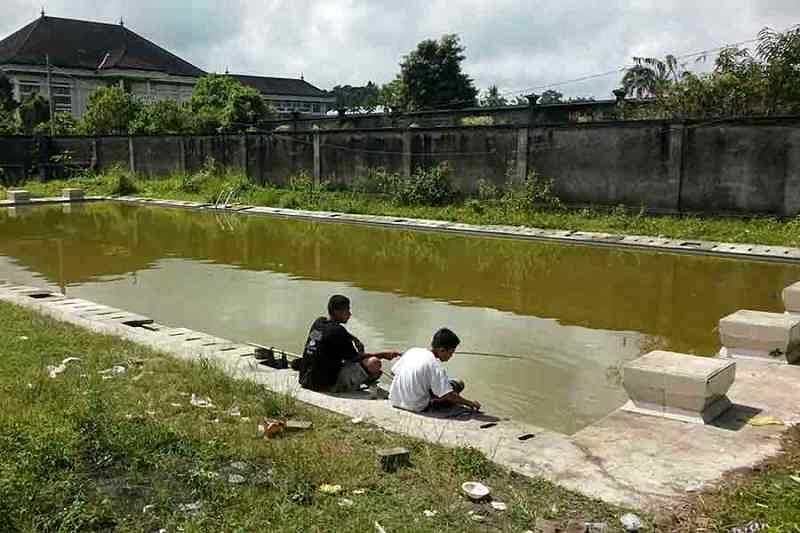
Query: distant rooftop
[[281, 86], [82, 44]]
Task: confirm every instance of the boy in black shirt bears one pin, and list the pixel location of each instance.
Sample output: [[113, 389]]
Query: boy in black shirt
[[333, 359]]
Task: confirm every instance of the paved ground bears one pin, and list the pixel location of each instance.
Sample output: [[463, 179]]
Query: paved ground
[[625, 458]]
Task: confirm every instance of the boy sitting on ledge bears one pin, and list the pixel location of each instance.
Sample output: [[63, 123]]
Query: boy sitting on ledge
[[420, 380]]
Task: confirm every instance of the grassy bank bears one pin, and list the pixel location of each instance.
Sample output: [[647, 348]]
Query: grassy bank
[[489, 208], [87, 451]]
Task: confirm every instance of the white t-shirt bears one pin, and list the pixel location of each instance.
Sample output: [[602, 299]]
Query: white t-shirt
[[417, 374]]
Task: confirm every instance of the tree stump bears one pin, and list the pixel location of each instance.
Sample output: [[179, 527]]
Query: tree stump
[[393, 458]]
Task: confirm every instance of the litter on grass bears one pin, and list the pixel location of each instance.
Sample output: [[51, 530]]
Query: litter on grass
[[54, 370], [199, 401]]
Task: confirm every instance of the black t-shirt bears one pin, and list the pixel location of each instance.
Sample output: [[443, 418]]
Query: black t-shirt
[[328, 347]]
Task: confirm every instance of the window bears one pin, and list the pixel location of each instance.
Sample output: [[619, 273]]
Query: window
[[317, 108], [62, 98], [28, 88]]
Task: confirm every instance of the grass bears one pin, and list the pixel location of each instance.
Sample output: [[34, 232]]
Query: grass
[[206, 186], [81, 452]]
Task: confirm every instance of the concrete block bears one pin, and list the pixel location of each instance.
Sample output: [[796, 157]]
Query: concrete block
[[393, 458], [791, 298], [72, 194], [19, 196], [762, 335], [679, 386]]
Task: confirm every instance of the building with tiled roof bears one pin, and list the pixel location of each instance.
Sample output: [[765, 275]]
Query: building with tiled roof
[[84, 55]]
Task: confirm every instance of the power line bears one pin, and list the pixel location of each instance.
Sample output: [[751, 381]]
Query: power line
[[628, 67]]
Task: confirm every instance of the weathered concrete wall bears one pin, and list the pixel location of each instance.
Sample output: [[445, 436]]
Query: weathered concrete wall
[[628, 163], [736, 166], [743, 167]]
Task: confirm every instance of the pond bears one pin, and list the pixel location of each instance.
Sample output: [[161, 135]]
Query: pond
[[571, 313]]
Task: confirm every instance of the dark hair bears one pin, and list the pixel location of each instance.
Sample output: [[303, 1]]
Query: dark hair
[[445, 339], [337, 302]]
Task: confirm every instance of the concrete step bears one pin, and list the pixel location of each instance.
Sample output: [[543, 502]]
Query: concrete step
[[761, 335]]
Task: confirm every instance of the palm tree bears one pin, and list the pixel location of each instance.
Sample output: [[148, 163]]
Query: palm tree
[[649, 75]]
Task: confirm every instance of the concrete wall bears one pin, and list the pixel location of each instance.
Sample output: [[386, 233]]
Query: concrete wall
[[736, 166]]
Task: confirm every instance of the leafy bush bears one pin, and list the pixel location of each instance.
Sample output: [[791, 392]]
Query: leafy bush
[[377, 181], [487, 191], [431, 186], [122, 183], [536, 192], [302, 182]]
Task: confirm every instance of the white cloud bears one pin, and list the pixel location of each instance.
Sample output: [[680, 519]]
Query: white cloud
[[517, 44]]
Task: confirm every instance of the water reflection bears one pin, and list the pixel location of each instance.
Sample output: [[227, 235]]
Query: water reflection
[[573, 311]]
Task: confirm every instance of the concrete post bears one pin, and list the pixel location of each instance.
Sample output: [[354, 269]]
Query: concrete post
[[406, 154], [522, 155], [677, 138], [181, 155], [95, 163], [317, 160], [243, 153], [131, 158]]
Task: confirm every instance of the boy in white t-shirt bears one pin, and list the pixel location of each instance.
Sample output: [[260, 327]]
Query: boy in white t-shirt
[[420, 380]]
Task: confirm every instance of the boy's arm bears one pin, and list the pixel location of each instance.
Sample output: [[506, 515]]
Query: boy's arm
[[455, 398]]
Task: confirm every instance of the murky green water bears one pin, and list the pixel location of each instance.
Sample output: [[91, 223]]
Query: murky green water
[[573, 312]]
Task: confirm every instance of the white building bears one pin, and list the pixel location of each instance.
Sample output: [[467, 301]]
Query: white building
[[85, 55]]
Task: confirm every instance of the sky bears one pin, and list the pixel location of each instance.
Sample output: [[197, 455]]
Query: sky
[[518, 45]]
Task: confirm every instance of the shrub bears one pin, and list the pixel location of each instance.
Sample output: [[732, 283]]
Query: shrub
[[302, 182], [536, 192], [431, 186], [377, 181], [487, 191], [122, 183]]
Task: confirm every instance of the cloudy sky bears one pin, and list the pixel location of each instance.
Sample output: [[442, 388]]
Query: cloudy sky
[[517, 44]]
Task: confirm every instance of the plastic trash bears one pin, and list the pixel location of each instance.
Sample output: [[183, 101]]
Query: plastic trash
[[54, 370]]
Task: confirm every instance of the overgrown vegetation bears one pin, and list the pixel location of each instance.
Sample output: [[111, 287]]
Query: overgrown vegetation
[[432, 194], [765, 81], [128, 452]]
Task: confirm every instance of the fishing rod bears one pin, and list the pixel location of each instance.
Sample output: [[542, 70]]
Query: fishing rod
[[489, 354], [291, 355]]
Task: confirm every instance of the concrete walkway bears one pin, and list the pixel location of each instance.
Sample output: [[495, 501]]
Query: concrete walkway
[[627, 459]]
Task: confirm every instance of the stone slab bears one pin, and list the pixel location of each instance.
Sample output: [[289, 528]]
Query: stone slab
[[72, 194], [19, 196], [791, 298], [761, 334], [677, 385]]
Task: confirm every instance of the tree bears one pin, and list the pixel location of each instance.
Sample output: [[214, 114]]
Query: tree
[[649, 75], [741, 83], [363, 98], [109, 112], [393, 96], [432, 76], [9, 123], [7, 102], [162, 117], [551, 96], [221, 103], [63, 124], [33, 111], [493, 98]]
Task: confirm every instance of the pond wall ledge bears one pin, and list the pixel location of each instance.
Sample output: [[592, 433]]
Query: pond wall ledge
[[647, 462]]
